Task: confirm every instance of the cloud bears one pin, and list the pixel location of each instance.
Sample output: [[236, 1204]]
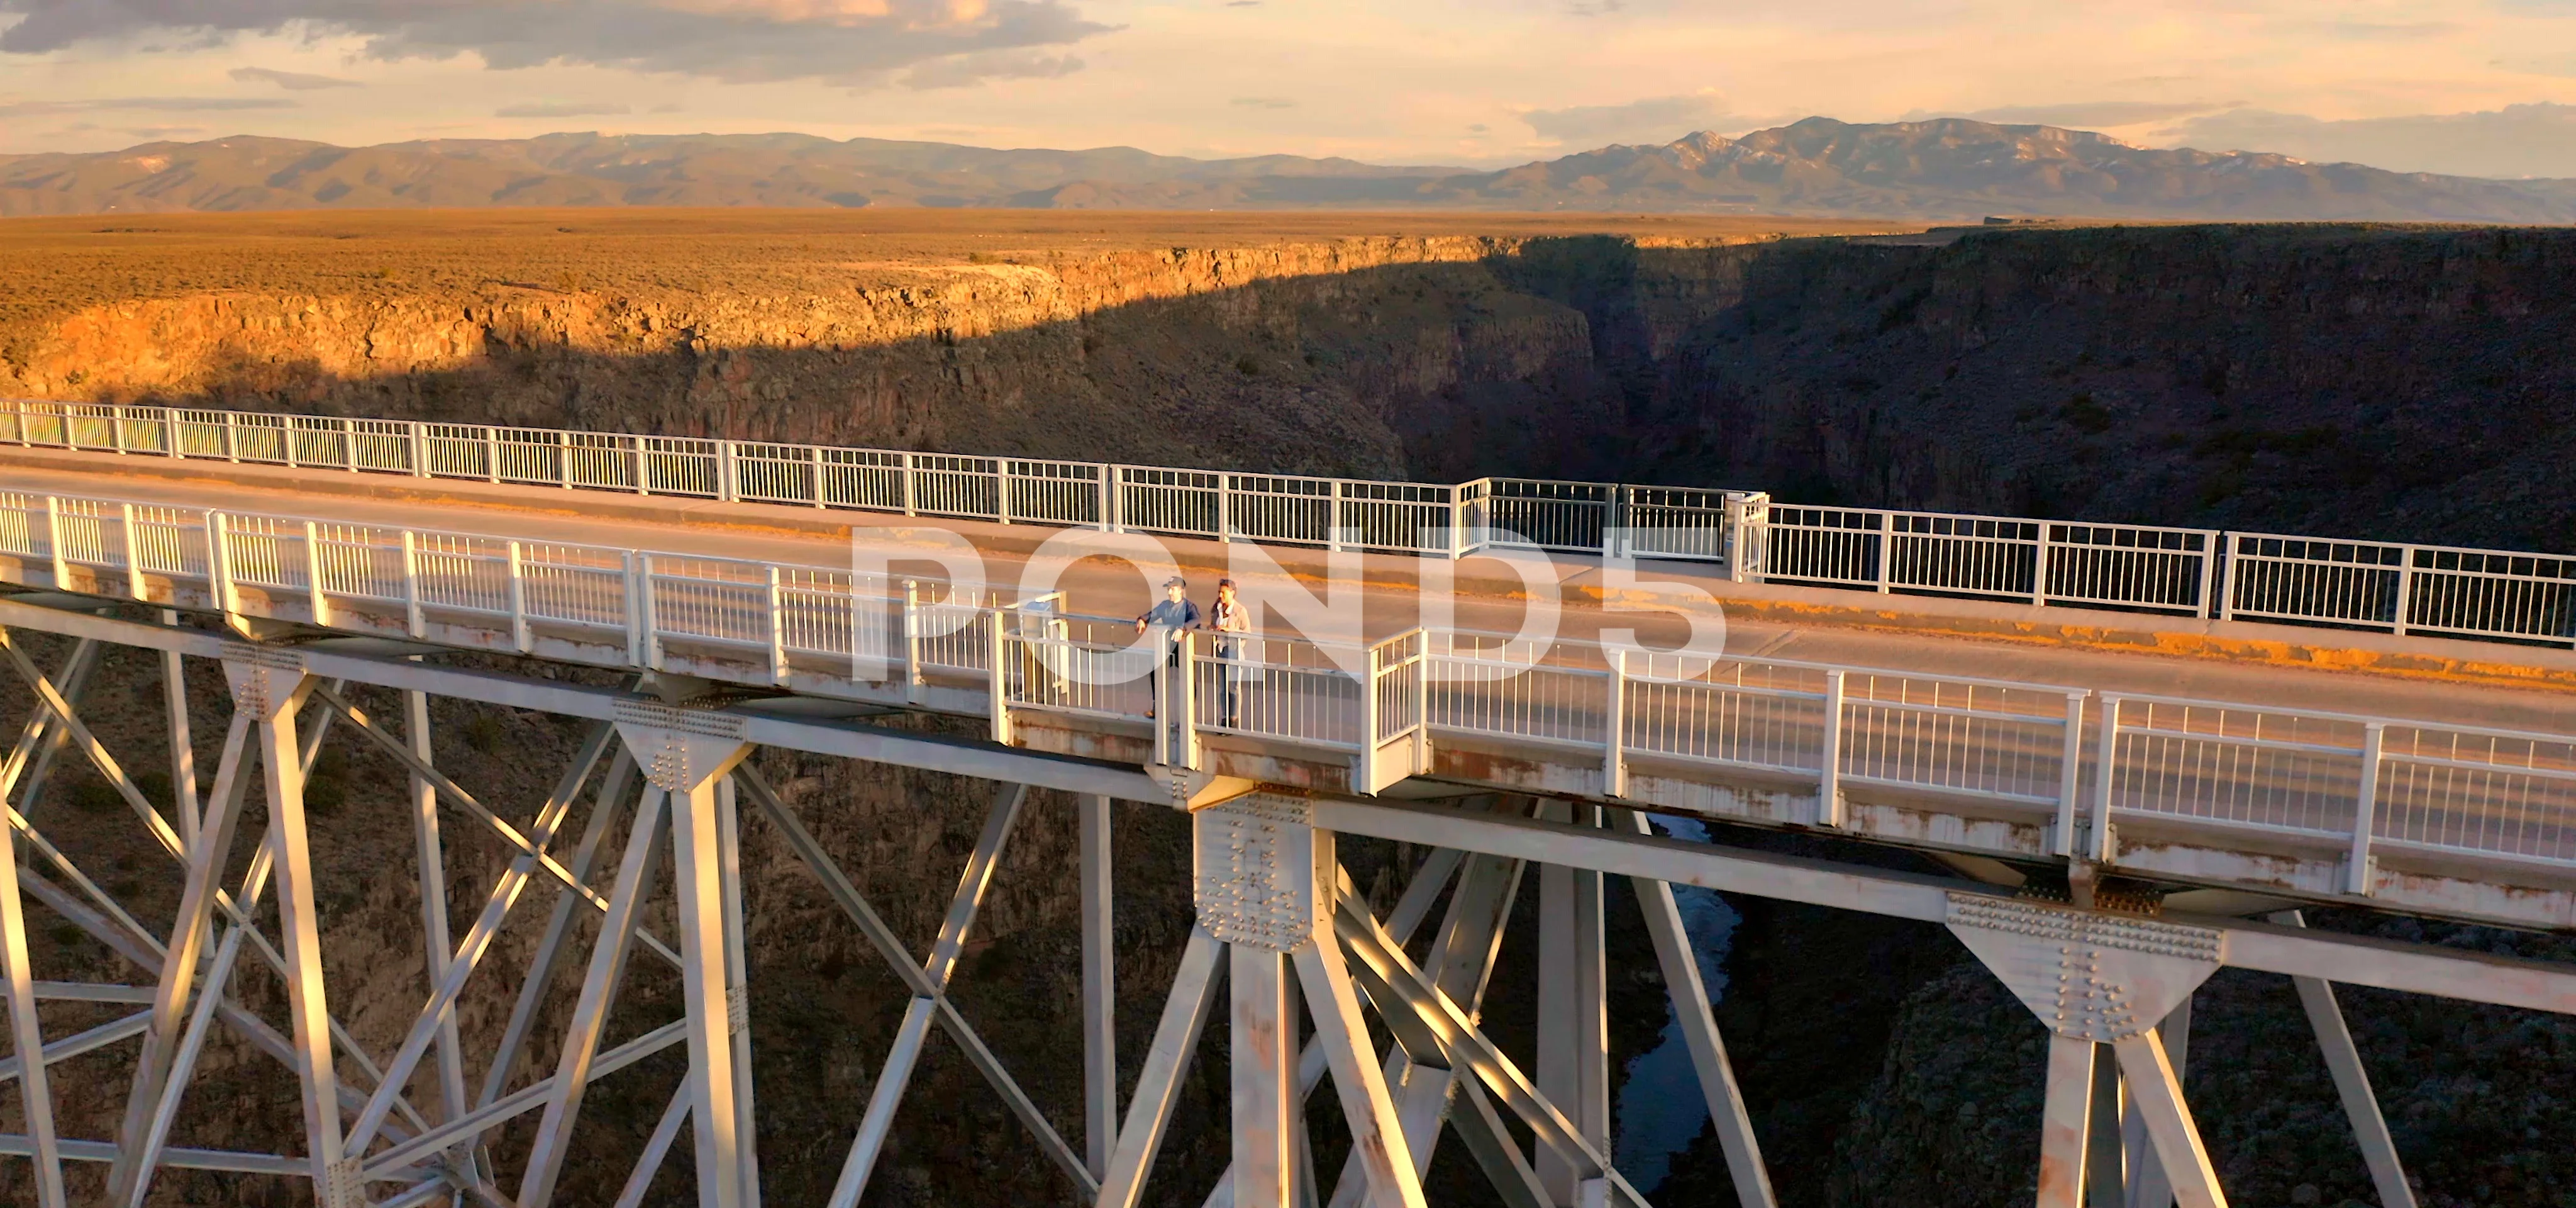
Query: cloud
[[156, 133], [1656, 119], [292, 81], [562, 109], [1263, 102], [2517, 140], [855, 42], [2083, 115], [147, 104], [958, 71]]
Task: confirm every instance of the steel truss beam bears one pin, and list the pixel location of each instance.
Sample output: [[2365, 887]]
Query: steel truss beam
[[898, 958], [895, 1075], [1431, 1012]]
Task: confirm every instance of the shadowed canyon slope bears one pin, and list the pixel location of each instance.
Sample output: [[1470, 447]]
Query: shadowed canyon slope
[[1949, 168], [2365, 380]]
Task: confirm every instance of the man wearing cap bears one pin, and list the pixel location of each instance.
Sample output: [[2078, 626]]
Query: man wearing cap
[[1173, 614]]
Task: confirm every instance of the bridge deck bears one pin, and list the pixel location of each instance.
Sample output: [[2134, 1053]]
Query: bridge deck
[[2262, 795]]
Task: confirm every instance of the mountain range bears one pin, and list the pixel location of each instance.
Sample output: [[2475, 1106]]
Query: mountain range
[[1945, 169]]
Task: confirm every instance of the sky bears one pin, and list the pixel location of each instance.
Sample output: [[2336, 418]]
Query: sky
[[2480, 87]]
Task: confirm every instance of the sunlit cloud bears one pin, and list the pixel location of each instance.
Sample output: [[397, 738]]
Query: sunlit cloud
[[292, 81]]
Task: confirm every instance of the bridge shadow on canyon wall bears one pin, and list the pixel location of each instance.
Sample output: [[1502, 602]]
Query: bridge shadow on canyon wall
[[2397, 383]]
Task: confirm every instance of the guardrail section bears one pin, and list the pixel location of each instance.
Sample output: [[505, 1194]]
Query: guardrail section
[[2494, 595]]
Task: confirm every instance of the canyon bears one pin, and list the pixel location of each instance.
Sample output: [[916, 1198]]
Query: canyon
[[2369, 381]]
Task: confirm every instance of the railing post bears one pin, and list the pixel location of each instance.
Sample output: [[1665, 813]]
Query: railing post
[[1158, 687], [728, 473], [1224, 506], [1886, 548], [996, 647], [2070, 774], [814, 454], [133, 551], [1457, 522], [116, 428], [54, 542], [1333, 526], [492, 453], [1614, 756], [643, 465], [1185, 713], [646, 620], [912, 641], [1108, 497], [777, 631], [2225, 604], [418, 438], [1737, 534], [634, 614], [219, 574], [1829, 790], [2039, 568], [313, 574], [2365, 815], [519, 632], [413, 622], [286, 437], [2106, 765], [232, 438], [911, 493], [563, 460], [1368, 722], [349, 444], [2208, 573], [2405, 585]]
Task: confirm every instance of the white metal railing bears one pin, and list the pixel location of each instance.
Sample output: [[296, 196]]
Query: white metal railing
[[2076, 762], [2401, 588]]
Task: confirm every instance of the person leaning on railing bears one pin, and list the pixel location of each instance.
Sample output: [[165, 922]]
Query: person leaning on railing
[[1172, 614]]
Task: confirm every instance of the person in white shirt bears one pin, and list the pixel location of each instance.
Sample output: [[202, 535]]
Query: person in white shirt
[[1228, 616]]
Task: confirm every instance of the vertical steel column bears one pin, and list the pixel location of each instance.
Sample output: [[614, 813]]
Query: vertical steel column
[[1573, 1029], [1099, 987], [2106, 1171], [269, 695], [738, 984], [1261, 1047], [2065, 1121], [696, 871]]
